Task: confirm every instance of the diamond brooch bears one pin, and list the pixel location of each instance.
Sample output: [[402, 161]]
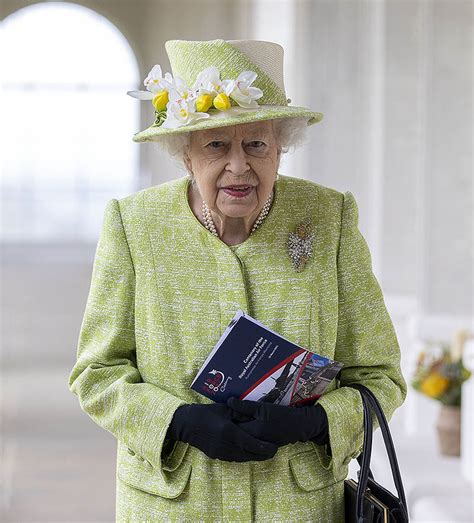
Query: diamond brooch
[[300, 244]]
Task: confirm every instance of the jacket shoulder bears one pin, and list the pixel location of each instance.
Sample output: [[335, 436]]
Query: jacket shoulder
[[307, 191]]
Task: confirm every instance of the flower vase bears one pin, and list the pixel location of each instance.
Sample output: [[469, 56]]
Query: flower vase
[[448, 427]]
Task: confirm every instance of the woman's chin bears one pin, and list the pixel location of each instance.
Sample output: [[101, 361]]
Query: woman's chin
[[243, 204]]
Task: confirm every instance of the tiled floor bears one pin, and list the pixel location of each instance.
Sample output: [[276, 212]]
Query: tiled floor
[[57, 465]]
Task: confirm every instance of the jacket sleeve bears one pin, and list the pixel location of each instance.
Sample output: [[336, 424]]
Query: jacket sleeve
[[105, 376], [366, 343]]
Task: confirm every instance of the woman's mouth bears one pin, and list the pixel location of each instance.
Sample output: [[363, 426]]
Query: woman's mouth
[[238, 191]]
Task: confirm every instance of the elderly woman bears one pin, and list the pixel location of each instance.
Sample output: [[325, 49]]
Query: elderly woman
[[176, 261]]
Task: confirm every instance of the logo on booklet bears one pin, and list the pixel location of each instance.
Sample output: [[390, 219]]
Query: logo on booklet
[[216, 381]]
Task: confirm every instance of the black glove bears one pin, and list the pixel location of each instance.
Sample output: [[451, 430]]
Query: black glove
[[212, 428], [282, 424]]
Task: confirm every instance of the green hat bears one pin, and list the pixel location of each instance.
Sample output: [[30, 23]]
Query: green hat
[[217, 83]]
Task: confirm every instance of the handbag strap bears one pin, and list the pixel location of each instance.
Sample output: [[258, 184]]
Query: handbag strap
[[397, 478], [371, 400], [359, 460], [366, 455]]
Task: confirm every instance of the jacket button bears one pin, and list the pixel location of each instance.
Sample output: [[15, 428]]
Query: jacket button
[[130, 451]]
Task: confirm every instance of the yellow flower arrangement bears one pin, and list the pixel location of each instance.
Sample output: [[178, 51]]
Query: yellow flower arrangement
[[434, 385], [440, 373]]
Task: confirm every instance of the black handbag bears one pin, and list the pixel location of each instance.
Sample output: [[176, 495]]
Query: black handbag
[[366, 500]]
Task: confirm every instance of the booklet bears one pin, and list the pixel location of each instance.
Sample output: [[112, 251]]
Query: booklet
[[251, 361]]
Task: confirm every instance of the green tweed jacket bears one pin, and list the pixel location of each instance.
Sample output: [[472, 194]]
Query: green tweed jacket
[[163, 290]]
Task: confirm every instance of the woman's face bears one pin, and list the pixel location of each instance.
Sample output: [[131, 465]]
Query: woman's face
[[234, 155]]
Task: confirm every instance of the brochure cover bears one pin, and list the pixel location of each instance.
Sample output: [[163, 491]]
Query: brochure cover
[[253, 362]]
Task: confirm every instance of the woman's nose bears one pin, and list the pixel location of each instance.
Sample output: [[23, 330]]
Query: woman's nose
[[238, 161]]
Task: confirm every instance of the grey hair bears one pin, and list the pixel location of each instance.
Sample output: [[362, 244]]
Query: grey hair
[[290, 134]]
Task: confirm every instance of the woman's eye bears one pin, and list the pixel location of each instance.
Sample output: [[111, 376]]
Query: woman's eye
[[212, 145], [216, 144]]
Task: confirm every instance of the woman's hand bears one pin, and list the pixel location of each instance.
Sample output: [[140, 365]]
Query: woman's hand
[[213, 429], [281, 424]]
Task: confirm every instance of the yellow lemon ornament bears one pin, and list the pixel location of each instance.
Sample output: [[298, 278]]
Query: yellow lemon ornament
[[203, 102], [160, 100], [222, 102]]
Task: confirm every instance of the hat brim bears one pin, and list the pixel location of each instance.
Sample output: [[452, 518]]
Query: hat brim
[[233, 116]]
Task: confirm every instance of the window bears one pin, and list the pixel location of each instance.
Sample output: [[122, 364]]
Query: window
[[67, 122]]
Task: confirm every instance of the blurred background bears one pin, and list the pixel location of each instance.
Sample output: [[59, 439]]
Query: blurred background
[[394, 81]]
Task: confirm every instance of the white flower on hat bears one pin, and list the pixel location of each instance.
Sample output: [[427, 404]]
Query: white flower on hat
[[155, 82], [209, 82], [180, 89], [243, 94], [212, 90], [182, 112], [158, 88]]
